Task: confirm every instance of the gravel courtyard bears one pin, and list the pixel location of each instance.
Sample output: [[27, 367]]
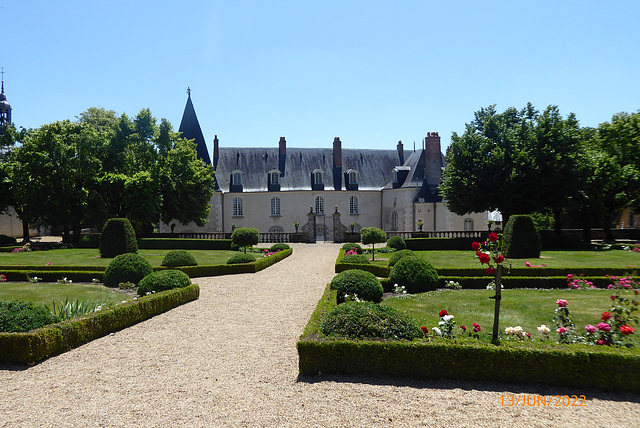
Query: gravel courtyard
[[229, 359]]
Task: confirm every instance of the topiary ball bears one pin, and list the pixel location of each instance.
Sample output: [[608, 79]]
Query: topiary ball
[[355, 258], [393, 259], [177, 258], [359, 320], [162, 280], [396, 242], [279, 247], [357, 282], [241, 258], [118, 237], [19, 316], [126, 268], [350, 246], [415, 274], [245, 237], [521, 238]]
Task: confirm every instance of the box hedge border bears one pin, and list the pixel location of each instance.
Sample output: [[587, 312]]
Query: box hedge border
[[88, 273], [183, 244], [32, 347], [572, 365]]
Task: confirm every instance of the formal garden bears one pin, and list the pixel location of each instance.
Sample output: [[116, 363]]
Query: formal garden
[[503, 310], [54, 298]]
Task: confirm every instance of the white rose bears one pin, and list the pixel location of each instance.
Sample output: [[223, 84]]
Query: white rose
[[437, 331]]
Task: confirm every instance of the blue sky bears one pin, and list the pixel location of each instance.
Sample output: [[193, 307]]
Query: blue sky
[[371, 73]]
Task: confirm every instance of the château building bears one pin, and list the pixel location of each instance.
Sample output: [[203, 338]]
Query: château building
[[273, 188]]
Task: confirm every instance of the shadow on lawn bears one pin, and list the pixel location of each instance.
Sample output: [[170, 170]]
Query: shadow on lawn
[[501, 388]]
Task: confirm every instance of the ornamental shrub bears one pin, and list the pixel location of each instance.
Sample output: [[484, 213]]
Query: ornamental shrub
[[359, 320], [163, 280], [415, 274], [396, 242], [393, 259], [373, 236], [245, 237], [179, 258], [279, 247], [18, 316], [241, 258], [118, 237], [350, 246], [521, 238], [6, 241], [355, 258], [127, 267], [357, 282]]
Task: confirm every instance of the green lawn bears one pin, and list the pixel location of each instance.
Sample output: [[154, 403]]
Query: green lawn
[[91, 257], [560, 259], [526, 308], [47, 293]]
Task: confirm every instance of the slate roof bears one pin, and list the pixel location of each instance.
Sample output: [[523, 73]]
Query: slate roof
[[375, 167], [190, 129]]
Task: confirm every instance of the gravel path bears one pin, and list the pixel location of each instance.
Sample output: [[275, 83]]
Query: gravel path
[[229, 359]]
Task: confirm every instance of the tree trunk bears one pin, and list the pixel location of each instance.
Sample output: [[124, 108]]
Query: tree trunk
[[557, 215], [608, 234], [25, 232], [496, 312], [76, 232]]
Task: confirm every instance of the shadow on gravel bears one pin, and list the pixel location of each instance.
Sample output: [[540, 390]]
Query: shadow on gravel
[[502, 388]]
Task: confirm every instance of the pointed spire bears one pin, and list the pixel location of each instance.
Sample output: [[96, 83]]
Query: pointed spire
[[190, 129]]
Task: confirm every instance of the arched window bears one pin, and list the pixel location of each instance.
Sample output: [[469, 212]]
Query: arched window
[[274, 177], [394, 221], [319, 205], [236, 178], [353, 205], [468, 224], [237, 207], [275, 206], [317, 177], [353, 176]]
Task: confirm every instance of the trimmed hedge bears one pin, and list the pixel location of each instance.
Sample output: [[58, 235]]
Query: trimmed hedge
[[395, 257], [396, 242], [176, 258], [54, 275], [183, 244], [363, 284], [521, 238], [279, 247], [416, 274], [6, 241], [468, 360], [480, 282], [29, 348], [16, 315], [241, 258], [126, 267], [355, 259], [351, 245], [118, 237], [418, 244], [162, 280]]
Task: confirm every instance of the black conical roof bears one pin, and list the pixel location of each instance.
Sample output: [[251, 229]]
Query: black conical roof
[[190, 129]]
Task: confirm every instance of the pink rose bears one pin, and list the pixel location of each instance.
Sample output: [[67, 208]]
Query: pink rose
[[590, 329], [603, 342], [527, 264], [561, 330], [562, 303], [603, 326]]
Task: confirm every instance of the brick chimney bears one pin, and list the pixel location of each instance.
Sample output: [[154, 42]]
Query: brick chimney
[[216, 152], [400, 153], [337, 163], [433, 159], [282, 155]]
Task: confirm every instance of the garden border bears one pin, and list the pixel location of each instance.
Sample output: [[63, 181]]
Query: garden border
[[30, 348], [570, 365]]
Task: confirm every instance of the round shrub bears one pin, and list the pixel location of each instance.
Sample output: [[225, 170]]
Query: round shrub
[[179, 258], [126, 268], [357, 282], [355, 258], [415, 274], [18, 316], [245, 237], [393, 259], [521, 238], [356, 320], [350, 246], [162, 280], [396, 242], [241, 258], [6, 241], [279, 247], [89, 241], [118, 237]]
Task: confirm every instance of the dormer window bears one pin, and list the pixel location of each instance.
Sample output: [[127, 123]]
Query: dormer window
[[273, 180], [351, 178], [236, 181], [317, 180]]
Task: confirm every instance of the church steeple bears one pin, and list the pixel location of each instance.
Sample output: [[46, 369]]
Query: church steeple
[[190, 129], [5, 107]]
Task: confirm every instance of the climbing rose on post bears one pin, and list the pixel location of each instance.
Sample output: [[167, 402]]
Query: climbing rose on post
[[490, 252]]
